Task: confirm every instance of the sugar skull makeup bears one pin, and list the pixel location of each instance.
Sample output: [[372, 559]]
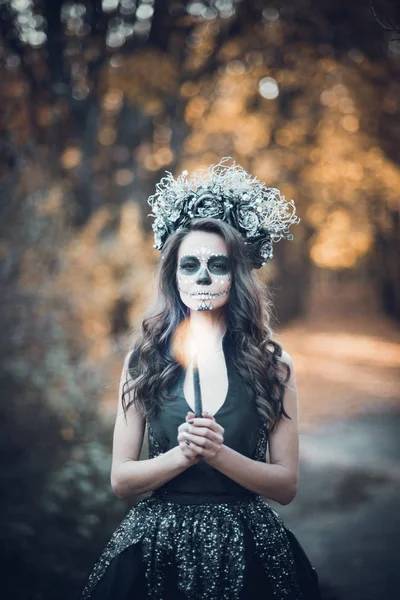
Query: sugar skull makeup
[[204, 276]]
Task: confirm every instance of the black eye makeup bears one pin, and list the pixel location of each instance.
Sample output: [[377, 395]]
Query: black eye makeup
[[218, 264], [189, 265]]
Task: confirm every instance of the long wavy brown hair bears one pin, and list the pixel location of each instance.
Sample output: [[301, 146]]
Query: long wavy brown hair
[[152, 367]]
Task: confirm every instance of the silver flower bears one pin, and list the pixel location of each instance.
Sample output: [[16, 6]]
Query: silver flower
[[226, 192]]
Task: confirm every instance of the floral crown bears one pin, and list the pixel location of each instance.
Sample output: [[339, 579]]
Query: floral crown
[[228, 193]]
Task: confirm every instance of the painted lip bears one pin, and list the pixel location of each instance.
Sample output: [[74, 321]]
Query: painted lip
[[206, 294]]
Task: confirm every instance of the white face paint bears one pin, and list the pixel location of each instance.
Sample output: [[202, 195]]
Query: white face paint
[[204, 273]]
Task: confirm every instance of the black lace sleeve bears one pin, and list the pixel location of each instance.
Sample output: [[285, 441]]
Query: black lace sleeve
[[260, 452], [154, 447]]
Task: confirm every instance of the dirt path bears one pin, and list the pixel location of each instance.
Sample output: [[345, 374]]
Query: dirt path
[[345, 514], [346, 356]]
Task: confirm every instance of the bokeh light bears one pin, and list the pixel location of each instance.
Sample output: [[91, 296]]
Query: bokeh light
[[268, 88]]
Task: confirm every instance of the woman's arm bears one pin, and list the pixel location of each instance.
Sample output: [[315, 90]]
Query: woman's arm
[[129, 475], [277, 480]]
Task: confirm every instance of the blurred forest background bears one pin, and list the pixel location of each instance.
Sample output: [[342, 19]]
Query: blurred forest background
[[98, 99]]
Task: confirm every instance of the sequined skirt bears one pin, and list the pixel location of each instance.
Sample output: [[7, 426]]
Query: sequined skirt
[[178, 548]]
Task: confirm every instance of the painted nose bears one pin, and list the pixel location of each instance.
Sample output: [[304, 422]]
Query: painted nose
[[204, 277]]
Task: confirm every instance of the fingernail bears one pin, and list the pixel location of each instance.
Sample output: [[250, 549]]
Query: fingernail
[[188, 442], [191, 421]]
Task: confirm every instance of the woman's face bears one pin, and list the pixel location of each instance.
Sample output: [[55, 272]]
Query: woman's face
[[204, 272]]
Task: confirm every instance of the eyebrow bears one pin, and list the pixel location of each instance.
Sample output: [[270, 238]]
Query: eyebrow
[[189, 257], [213, 255]]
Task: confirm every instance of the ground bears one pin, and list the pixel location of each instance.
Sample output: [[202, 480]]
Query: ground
[[347, 362]]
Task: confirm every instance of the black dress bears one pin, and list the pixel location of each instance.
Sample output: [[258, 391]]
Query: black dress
[[201, 535]]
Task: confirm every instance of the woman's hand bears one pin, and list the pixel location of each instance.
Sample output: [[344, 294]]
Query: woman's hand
[[205, 436], [188, 450]]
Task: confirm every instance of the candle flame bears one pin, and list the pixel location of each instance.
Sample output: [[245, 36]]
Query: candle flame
[[188, 350], [182, 344]]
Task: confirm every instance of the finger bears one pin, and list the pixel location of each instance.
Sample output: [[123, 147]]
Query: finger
[[204, 432], [189, 447], [183, 427], [182, 436], [202, 442], [207, 415], [210, 423], [197, 450], [199, 434]]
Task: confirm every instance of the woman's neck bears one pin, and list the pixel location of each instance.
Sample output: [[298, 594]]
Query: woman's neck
[[207, 328]]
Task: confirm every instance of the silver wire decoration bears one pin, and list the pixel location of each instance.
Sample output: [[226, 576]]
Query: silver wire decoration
[[226, 192]]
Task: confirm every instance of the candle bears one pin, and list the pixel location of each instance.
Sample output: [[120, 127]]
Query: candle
[[198, 406]]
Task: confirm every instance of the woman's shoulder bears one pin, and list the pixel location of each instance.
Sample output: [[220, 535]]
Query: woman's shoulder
[[130, 361], [285, 365], [286, 358], [132, 357]]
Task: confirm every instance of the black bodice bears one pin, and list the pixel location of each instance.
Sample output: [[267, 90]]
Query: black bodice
[[244, 432]]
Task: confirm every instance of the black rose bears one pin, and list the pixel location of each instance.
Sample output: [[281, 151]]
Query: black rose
[[259, 251], [266, 249], [208, 204], [245, 218], [161, 232], [183, 211]]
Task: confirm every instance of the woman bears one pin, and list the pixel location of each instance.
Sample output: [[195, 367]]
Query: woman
[[207, 532]]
